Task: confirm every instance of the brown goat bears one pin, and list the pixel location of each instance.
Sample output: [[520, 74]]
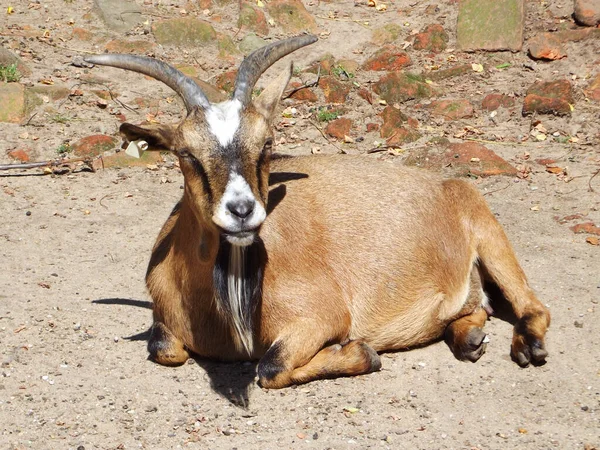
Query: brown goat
[[314, 264]]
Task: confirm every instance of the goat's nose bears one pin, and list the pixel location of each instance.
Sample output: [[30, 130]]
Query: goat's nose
[[241, 209]]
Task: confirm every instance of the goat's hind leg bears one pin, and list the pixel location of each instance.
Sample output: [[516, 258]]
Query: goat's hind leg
[[302, 357], [165, 348]]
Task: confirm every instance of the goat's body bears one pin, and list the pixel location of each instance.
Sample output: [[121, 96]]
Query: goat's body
[[393, 275]]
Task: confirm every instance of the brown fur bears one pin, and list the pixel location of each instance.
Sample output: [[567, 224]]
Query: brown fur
[[362, 257]]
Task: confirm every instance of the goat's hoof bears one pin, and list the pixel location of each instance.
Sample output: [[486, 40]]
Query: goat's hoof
[[474, 345], [524, 351]]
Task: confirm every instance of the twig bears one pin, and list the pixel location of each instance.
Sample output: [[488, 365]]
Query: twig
[[497, 190], [590, 188], [50, 163], [305, 85], [337, 19], [381, 148]]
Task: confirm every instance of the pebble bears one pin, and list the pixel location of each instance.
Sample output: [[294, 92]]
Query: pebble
[[578, 324]]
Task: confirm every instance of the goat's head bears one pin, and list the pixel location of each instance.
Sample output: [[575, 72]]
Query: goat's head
[[224, 149]]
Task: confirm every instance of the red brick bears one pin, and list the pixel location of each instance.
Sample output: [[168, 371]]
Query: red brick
[[452, 109], [387, 59], [334, 90], [551, 97], [339, 128], [94, 145], [546, 46], [494, 101], [433, 38]]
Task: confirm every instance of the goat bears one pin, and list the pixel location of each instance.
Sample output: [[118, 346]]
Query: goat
[[312, 265]]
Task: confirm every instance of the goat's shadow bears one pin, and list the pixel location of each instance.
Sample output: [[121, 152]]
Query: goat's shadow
[[230, 380]]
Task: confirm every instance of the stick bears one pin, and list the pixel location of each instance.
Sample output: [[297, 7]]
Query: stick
[[305, 85], [50, 163]]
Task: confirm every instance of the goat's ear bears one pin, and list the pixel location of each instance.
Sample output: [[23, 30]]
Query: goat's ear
[[158, 137], [268, 99]]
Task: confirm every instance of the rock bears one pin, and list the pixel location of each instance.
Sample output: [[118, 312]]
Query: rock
[[494, 101], [546, 46], [551, 97], [393, 128], [448, 73], [121, 159], [226, 81], [490, 25], [452, 109], [593, 89], [291, 15], [396, 87], [334, 90], [324, 64], [433, 38], [227, 48], [185, 31], [119, 15], [366, 95], [8, 58], [20, 154], [303, 94], [386, 34], [372, 127], [387, 59], [12, 99], [339, 128], [461, 159], [587, 227], [54, 91], [252, 18], [250, 43], [587, 12], [94, 145], [137, 46]]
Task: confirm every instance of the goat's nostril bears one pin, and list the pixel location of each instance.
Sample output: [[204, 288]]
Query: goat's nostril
[[241, 209]]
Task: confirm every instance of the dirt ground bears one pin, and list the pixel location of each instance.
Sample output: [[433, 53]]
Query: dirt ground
[[74, 312]]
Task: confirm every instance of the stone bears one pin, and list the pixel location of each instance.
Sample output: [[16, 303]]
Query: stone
[[587, 227], [137, 46], [387, 59], [12, 99], [119, 15], [366, 95], [184, 31], [226, 81], [323, 65], [587, 12], [250, 43], [394, 130], [492, 102], [339, 128], [395, 87], [452, 109], [121, 159], [546, 46], [252, 18], [54, 92], [8, 58], [490, 25], [593, 89], [291, 16], [371, 127], [437, 75], [20, 154], [386, 34], [433, 38], [305, 94], [226, 46], [94, 145], [334, 90], [550, 97], [577, 35], [461, 159]]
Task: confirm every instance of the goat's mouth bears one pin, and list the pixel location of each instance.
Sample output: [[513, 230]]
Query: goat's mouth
[[240, 238]]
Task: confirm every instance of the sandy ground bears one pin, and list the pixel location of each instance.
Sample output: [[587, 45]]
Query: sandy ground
[[74, 312]]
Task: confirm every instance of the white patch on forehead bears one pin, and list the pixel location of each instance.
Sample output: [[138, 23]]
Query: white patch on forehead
[[224, 120]]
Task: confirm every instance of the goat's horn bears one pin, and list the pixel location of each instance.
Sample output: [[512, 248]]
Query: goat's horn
[[187, 88], [260, 60]]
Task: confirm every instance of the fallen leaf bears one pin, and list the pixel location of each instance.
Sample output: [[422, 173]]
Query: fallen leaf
[[10, 10], [522, 431], [592, 240], [477, 67], [351, 409], [554, 169], [535, 208]]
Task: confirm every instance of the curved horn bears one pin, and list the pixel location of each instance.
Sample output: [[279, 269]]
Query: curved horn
[[260, 60], [187, 89]]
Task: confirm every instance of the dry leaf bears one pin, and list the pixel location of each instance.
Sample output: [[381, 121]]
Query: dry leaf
[[592, 240], [554, 169], [477, 67]]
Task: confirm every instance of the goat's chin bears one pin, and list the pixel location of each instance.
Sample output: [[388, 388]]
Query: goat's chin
[[242, 239]]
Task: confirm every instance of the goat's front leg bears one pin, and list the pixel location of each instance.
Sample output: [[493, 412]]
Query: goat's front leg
[[165, 348], [303, 355]]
